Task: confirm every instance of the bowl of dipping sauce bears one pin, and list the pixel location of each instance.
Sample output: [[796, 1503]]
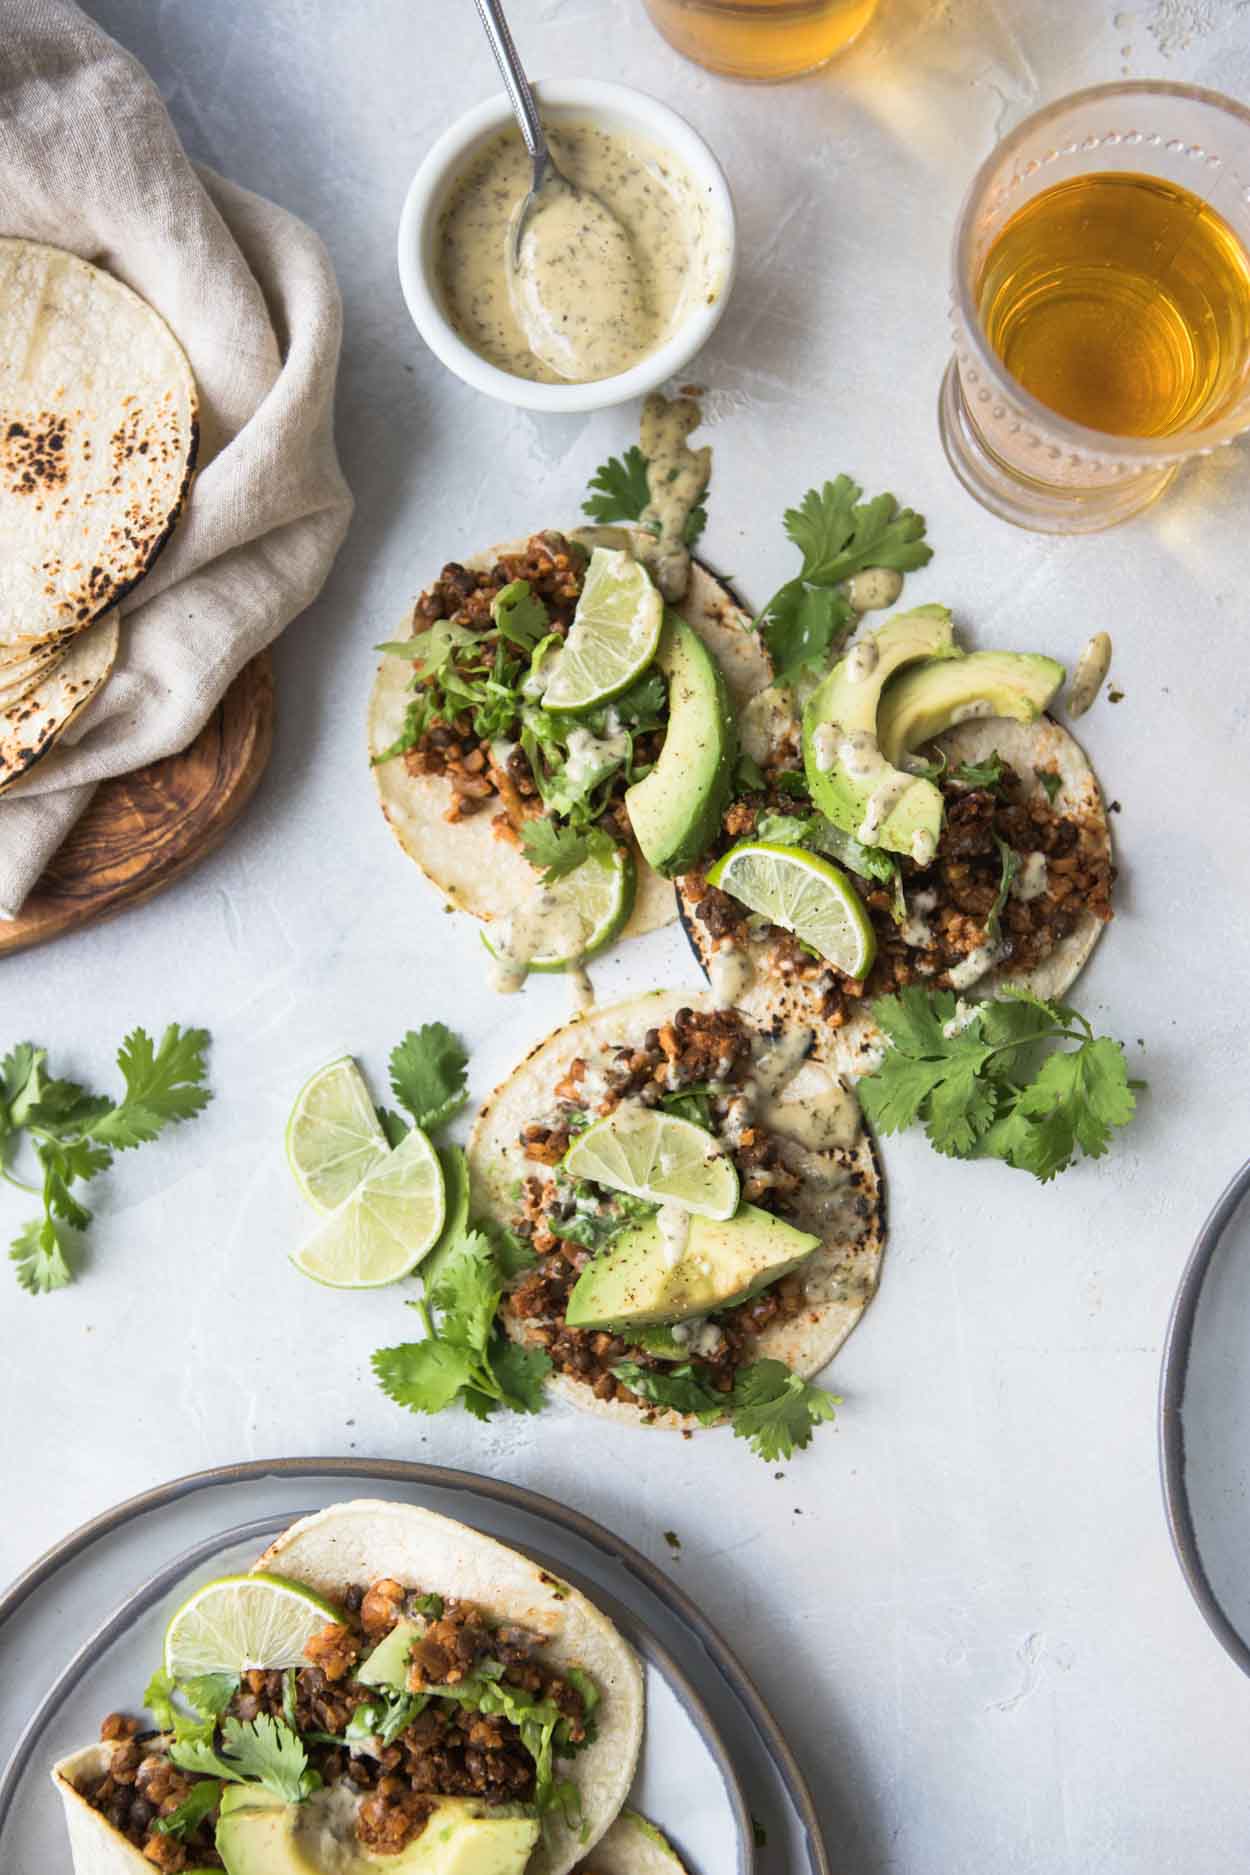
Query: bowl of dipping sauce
[[629, 292]]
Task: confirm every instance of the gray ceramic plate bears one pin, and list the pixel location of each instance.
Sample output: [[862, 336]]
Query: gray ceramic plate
[[1204, 1420], [705, 1792]]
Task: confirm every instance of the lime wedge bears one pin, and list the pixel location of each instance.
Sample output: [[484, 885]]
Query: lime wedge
[[657, 1156], [568, 920], [803, 893], [239, 1622], [385, 1228], [333, 1138], [613, 637]]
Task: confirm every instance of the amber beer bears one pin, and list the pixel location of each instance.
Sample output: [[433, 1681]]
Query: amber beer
[[761, 39], [1122, 302]]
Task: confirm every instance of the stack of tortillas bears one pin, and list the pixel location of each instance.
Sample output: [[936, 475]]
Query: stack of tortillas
[[97, 444]]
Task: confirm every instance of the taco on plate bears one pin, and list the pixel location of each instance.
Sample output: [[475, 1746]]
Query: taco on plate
[[415, 1697], [701, 1206], [947, 831]]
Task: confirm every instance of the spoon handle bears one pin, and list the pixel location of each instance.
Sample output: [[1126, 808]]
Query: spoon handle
[[516, 84]]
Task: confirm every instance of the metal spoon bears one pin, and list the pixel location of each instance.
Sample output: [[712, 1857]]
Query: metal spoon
[[584, 345], [521, 98]]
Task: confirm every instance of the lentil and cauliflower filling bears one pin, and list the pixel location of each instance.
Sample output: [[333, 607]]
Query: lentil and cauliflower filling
[[1060, 864], [699, 1064], [431, 1745]]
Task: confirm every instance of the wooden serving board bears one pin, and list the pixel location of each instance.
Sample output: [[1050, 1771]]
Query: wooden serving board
[[144, 830]]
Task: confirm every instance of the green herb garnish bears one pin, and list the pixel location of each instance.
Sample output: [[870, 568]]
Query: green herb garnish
[[463, 1354], [75, 1134], [981, 1081], [619, 492], [773, 1409], [837, 535]]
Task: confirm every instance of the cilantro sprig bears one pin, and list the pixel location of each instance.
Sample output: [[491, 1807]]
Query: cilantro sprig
[[463, 1353], [988, 1080], [774, 1409], [261, 1751], [619, 492], [838, 535], [554, 849], [74, 1135]]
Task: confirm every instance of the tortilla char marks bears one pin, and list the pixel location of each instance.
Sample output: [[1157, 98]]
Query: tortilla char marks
[[34, 453]]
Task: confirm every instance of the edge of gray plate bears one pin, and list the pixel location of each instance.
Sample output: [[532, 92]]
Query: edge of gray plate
[[1173, 1375]]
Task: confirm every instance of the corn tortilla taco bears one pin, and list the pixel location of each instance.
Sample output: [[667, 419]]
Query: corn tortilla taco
[[784, 1280], [458, 802], [1017, 893], [470, 1694]]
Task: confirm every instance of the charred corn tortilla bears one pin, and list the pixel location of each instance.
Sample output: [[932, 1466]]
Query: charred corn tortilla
[[367, 1539], [840, 1276], [488, 877], [31, 725], [1030, 749], [98, 433]]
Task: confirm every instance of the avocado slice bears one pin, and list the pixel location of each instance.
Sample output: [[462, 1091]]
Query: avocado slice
[[258, 1835], [921, 702], [635, 1281], [851, 781], [675, 810], [387, 1665]]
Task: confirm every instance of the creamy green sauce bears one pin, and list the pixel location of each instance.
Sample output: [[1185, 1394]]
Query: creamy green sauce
[[605, 270], [1090, 674], [676, 477]]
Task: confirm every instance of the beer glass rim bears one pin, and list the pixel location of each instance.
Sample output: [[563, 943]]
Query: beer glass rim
[[1137, 452]]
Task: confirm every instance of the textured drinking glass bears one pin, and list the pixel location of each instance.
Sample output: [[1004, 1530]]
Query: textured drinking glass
[[765, 40], [1017, 457]]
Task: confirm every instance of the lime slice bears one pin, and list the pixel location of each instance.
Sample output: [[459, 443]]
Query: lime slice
[[657, 1156], [239, 1622], [385, 1228], [564, 922], [333, 1138], [803, 893], [613, 637]]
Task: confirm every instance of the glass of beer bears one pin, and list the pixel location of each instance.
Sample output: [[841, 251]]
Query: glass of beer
[[1101, 305], [761, 39]]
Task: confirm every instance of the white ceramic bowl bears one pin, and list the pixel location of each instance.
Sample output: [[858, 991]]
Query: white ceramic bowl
[[613, 107]]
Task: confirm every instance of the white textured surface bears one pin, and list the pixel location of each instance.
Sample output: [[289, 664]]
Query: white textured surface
[[961, 1603]]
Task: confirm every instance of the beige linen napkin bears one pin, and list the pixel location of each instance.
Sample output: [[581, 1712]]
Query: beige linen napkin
[[90, 161]]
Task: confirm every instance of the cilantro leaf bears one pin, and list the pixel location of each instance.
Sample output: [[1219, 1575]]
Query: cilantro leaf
[[424, 1376], [261, 1751], [619, 490], [681, 1389], [802, 625], [38, 1255], [987, 774], [837, 535], [164, 1085], [1051, 781], [19, 1084], [467, 1292], [211, 1693], [776, 1411], [428, 1074], [194, 1809], [691, 1103], [519, 616], [158, 1697], [464, 1355], [748, 775], [552, 849], [972, 1076]]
